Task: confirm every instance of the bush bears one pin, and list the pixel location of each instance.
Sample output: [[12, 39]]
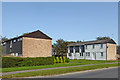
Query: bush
[[64, 59], [61, 60], [67, 60], [19, 62], [57, 59]]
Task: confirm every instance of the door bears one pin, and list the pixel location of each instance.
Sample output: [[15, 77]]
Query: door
[[93, 56], [75, 57]]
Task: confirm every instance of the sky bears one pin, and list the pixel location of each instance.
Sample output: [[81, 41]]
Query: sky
[[70, 21]]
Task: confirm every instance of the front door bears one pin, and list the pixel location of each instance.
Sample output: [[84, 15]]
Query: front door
[[93, 56], [75, 56]]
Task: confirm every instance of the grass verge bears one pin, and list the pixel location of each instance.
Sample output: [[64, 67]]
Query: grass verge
[[58, 71], [71, 63]]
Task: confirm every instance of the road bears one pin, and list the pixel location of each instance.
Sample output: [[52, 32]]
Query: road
[[105, 73], [101, 73]]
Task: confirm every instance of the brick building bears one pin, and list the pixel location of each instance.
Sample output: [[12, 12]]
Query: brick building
[[34, 44]]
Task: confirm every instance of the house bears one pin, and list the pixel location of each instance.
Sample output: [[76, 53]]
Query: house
[[118, 49], [34, 44], [93, 50], [118, 52]]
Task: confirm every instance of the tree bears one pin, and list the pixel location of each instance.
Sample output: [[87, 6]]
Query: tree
[[78, 41], [69, 42], [103, 38], [60, 47], [25, 33], [1, 40]]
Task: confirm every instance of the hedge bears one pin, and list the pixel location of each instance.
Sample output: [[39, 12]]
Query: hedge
[[19, 61]]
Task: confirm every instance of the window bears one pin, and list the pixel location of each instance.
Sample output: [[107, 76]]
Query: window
[[101, 45], [70, 54], [10, 45], [93, 46], [88, 53], [10, 50], [16, 54], [101, 53], [82, 48], [86, 46], [4, 43], [14, 40], [10, 42], [76, 48], [20, 39], [71, 49], [81, 54]]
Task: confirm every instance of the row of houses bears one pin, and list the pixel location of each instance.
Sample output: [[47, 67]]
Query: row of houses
[[38, 44], [93, 50]]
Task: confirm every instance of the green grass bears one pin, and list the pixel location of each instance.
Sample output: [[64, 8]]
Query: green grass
[[58, 71], [71, 63]]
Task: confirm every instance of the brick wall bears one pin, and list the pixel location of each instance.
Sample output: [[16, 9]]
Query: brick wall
[[111, 51], [36, 47]]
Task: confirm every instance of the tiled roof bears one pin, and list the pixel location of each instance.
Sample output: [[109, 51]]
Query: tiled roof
[[35, 34], [93, 42]]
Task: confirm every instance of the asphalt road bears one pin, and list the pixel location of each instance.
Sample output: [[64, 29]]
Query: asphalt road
[[105, 73], [102, 73]]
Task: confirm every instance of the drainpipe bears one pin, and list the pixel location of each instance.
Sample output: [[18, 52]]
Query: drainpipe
[[74, 51], [84, 51], [106, 51]]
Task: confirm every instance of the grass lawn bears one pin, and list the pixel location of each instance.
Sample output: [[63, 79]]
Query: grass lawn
[[71, 63], [58, 71]]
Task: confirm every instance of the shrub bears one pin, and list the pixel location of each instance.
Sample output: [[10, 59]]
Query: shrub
[[61, 60], [19, 62], [64, 59], [57, 60], [54, 60], [67, 60]]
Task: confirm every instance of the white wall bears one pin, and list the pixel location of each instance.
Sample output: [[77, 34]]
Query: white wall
[[97, 50]]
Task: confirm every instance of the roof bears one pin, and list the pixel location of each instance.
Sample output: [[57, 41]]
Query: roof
[[35, 34], [93, 42]]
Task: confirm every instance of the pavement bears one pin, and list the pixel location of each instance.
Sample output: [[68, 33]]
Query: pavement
[[7, 73]]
